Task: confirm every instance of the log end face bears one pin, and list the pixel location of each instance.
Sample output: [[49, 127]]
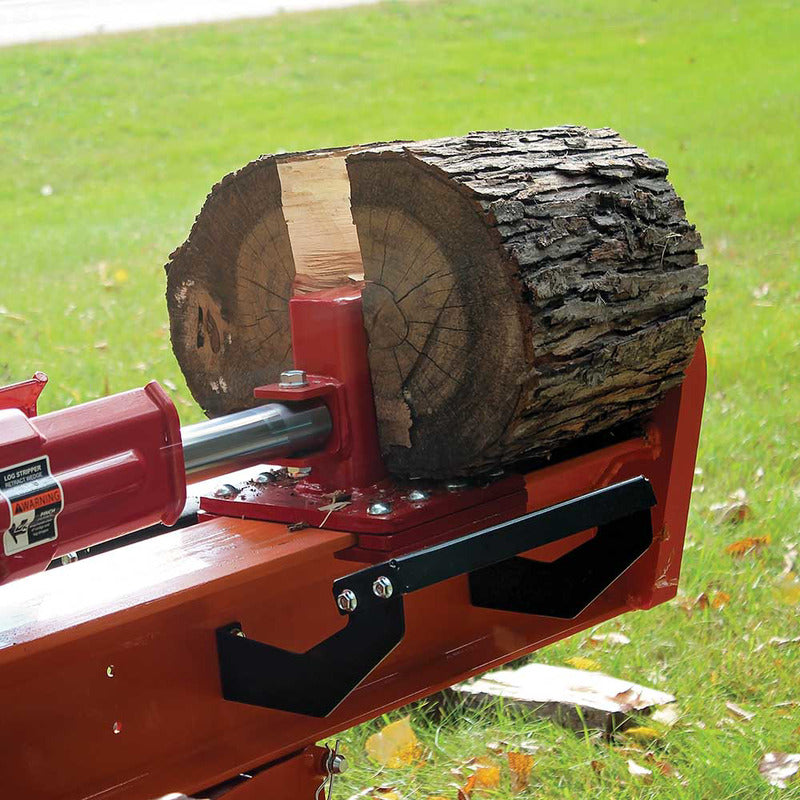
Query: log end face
[[228, 289]]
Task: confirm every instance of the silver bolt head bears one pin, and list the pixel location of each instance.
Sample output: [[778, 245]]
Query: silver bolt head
[[347, 601], [337, 764], [293, 379], [379, 509], [263, 478], [383, 587], [418, 495], [226, 490]]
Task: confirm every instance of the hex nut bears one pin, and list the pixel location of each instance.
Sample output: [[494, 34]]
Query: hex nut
[[382, 587], [293, 379], [347, 601]]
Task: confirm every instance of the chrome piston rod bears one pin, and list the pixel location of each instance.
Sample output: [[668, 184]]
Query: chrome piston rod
[[267, 431]]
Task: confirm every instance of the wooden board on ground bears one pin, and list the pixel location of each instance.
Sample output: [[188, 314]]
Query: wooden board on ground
[[571, 697]]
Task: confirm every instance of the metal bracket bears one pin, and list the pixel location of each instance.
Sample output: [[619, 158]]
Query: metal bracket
[[315, 682]]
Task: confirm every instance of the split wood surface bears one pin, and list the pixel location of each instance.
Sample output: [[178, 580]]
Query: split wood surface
[[523, 288]]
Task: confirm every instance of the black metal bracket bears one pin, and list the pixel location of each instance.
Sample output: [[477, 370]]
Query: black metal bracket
[[316, 681]]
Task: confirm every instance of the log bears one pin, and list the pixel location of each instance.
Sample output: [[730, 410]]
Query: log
[[523, 288], [278, 226]]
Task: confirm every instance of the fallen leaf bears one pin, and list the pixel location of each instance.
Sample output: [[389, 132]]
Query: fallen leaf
[[497, 747], [642, 733], [787, 589], [749, 544], [778, 769], [735, 510], [739, 712], [5, 313], [580, 662], [381, 792], [789, 558], [46, 190], [396, 745], [386, 793], [760, 292], [607, 638], [720, 599], [520, 765], [690, 604], [776, 641], [639, 771], [664, 767], [486, 775], [121, 276], [666, 715]]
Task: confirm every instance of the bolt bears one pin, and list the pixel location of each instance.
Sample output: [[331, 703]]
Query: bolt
[[380, 508], [418, 495], [456, 486], [347, 601], [262, 478], [226, 490], [382, 587], [337, 764], [293, 379], [69, 558]]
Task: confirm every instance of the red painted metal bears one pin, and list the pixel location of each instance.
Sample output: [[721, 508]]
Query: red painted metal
[[23, 395], [290, 500], [118, 465], [329, 342], [137, 653], [295, 777]]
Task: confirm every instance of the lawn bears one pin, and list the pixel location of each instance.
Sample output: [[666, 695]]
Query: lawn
[[108, 147]]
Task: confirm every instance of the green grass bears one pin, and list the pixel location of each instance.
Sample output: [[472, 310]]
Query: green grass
[[130, 132]]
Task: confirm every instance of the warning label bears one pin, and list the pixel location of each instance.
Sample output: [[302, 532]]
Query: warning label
[[35, 499]]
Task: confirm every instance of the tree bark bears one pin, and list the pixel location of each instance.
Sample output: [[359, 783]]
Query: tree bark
[[523, 288]]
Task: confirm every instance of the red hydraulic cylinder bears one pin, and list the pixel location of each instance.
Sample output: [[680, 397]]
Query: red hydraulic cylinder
[[82, 475]]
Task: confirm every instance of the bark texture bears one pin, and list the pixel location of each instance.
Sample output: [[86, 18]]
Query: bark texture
[[524, 288]]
